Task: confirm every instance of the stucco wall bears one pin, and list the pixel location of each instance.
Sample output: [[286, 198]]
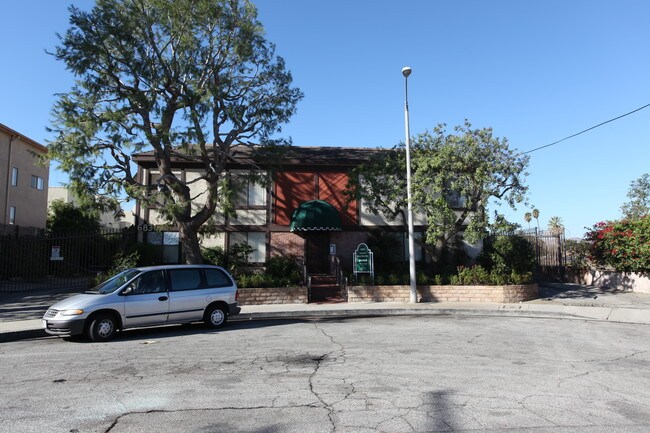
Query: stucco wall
[[30, 203], [612, 280]]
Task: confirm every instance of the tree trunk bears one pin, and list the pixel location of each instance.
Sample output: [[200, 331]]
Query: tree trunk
[[189, 240]]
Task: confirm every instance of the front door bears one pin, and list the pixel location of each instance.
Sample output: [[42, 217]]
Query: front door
[[148, 302], [317, 253]]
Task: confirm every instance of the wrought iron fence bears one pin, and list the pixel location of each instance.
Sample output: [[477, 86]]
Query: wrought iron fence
[[550, 253], [30, 262]]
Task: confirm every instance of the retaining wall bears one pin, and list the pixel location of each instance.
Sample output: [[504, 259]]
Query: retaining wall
[[630, 281], [298, 295], [498, 294], [273, 295]]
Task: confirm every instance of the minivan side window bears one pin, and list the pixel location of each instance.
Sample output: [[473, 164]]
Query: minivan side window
[[185, 279], [149, 282], [216, 278]]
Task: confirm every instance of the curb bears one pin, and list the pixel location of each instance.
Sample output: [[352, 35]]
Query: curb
[[27, 334], [601, 314]]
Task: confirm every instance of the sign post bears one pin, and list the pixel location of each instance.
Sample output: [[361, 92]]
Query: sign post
[[363, 261]]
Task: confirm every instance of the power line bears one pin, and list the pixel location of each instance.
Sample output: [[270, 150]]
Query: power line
[[588, 129]]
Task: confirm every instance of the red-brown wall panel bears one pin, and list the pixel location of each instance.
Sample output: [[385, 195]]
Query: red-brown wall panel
[[331, 187], [291, 189]]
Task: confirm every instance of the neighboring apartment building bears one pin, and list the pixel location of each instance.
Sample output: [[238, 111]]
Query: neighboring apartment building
[[23, 180], [106, 219], [303, 212]]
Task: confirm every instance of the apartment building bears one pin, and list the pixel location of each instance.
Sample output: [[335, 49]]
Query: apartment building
[[23, 180]]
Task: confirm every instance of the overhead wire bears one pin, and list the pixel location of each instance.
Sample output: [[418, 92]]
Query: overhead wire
[[588, 129]]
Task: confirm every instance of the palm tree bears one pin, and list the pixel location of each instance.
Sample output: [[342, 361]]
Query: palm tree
[[536, 216], [555, 225], [528, 217]]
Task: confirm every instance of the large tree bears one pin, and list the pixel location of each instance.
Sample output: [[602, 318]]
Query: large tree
[[454, 178], [639, 195], [187, 79]]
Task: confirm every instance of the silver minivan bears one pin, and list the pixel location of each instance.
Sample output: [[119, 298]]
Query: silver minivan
[[148, 296]]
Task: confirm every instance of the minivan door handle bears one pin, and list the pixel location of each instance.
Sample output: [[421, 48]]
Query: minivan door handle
[[162, 298]]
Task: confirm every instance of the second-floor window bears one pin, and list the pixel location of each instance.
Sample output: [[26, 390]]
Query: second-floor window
[[249, 191], [14, 176], [37, 182], [12, 215]]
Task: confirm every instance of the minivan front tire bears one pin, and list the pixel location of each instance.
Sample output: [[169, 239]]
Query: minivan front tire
[[102, 327], [215, 316]]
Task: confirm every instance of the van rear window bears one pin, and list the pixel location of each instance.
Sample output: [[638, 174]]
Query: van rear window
[[216, 278]]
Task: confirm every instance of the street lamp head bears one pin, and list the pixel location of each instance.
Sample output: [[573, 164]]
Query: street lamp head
[[406, 71]]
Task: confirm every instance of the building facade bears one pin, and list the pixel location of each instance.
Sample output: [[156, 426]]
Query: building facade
[[24, 180], [301, 211]]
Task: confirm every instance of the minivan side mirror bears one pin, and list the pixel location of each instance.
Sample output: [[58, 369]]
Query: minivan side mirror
[[129, 290]]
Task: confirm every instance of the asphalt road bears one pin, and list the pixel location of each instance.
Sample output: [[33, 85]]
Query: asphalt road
[[373, 374]]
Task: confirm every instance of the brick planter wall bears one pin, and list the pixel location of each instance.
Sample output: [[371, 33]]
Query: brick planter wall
[[498, 294], [273, 295]]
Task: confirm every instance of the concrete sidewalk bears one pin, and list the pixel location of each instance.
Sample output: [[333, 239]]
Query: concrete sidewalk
[[20, 318]]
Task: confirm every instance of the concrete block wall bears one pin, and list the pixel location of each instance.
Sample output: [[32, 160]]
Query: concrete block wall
[[496, 294], [273, 295]]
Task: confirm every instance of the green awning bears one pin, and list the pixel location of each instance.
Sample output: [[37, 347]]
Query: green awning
[[315, 215]]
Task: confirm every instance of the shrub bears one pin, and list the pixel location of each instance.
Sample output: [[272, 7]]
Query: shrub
[[508, 258], [623, 245], [121, 262], [214, 256], [284, 269]]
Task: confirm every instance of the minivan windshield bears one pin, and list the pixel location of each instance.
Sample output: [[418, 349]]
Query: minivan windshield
[[114, 283]]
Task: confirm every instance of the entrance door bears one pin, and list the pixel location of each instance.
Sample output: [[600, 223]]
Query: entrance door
[[317, 253]]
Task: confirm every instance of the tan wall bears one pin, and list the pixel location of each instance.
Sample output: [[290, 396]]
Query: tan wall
[[281, 295], [498, 294], [30, 203], [613, 280]]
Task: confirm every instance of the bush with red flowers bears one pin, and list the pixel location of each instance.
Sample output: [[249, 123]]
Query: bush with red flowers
[[622, 245]]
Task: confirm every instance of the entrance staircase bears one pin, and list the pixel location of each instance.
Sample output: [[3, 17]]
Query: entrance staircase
[[324, 289]]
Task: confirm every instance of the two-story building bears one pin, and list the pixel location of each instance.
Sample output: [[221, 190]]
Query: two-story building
[[303, 211], [23, 180]]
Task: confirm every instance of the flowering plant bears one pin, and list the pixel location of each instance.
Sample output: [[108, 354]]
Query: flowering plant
[[623, 245]]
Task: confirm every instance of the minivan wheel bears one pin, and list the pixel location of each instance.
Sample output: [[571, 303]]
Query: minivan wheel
[[215, 316], [102, 328]]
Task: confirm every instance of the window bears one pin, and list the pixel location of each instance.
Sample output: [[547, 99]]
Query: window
[[14, 176], [216, 278], [12, 215], [256, 240], [185, 279], [169, 245], [150, 282], [249, 191], [37, 182]]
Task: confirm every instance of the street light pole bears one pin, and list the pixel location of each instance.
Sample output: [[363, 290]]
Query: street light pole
[[406, 71]]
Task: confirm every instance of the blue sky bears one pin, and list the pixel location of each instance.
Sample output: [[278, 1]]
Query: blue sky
[[534, 71]]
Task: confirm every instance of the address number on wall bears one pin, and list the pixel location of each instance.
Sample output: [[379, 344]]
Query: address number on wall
[[146, 228]]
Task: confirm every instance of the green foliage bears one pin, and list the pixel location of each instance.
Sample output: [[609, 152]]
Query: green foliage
[[577, 253], [478, 275], [622, 245], [508, 254], [66, 218], [281, 271], [284, 269], [639, 195], [178, 77], [454, 176], [121, 262], [136, 256], [214, 256]]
